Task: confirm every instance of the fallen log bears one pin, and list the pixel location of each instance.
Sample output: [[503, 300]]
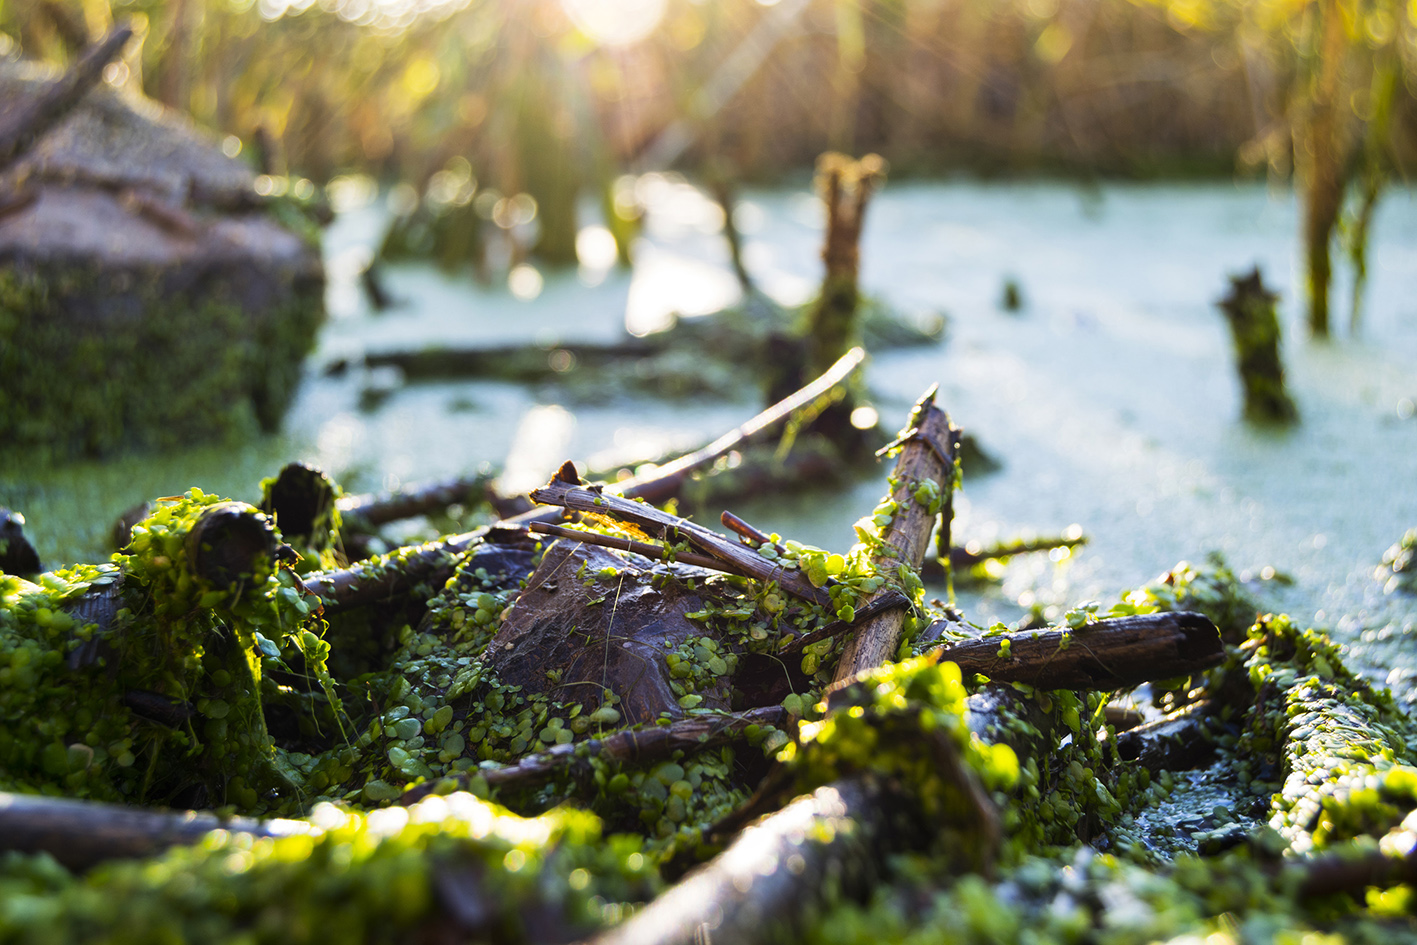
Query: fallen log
[[1117, 653], [929, 445], [80, 834], [513, 362]]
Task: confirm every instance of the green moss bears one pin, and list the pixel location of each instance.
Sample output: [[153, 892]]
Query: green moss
[[93, 363], [161, 696]]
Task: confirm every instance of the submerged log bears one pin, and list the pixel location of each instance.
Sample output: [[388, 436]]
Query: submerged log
[[1118, 653]]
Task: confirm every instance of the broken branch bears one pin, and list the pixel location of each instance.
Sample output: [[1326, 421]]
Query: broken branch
[[566, 490], [929, 445], [653, 552]]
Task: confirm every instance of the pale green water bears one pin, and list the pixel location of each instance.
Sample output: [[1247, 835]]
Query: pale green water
[[1110, 398]]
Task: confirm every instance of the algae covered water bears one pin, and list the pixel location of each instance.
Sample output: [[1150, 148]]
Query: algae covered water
[[1109, 398]]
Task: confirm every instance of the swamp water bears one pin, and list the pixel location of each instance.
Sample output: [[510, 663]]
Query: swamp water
[[1110, 398]]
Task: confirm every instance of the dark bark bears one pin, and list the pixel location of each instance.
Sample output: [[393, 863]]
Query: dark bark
[[1118, 653], [380, 508], [228, 542], [302, 499]]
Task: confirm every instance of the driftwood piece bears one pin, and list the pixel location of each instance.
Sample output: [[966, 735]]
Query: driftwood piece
[[1118, 653], [631, 745], [566, 490], [820, 848], [929, 445], [80, 834], [26, 123]]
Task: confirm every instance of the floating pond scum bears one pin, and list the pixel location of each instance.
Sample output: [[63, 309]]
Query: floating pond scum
[[507, 736]]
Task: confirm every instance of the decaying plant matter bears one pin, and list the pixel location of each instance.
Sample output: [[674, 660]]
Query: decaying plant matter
[[626, 726]]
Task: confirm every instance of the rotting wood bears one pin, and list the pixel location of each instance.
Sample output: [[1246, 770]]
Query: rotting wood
[[27, 122], [646, 744], [1117, 653], [80, 834], [929, 445]]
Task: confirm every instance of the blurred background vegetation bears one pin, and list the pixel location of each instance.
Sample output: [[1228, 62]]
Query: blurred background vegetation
[[475, 102]]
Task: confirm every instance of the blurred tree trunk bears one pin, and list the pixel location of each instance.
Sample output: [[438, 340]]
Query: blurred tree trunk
[[1322, 148]]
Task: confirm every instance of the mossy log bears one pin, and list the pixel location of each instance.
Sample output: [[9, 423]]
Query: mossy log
[[1117, 653]]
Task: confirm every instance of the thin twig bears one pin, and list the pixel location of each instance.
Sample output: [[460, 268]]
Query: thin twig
[[656, 552]]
